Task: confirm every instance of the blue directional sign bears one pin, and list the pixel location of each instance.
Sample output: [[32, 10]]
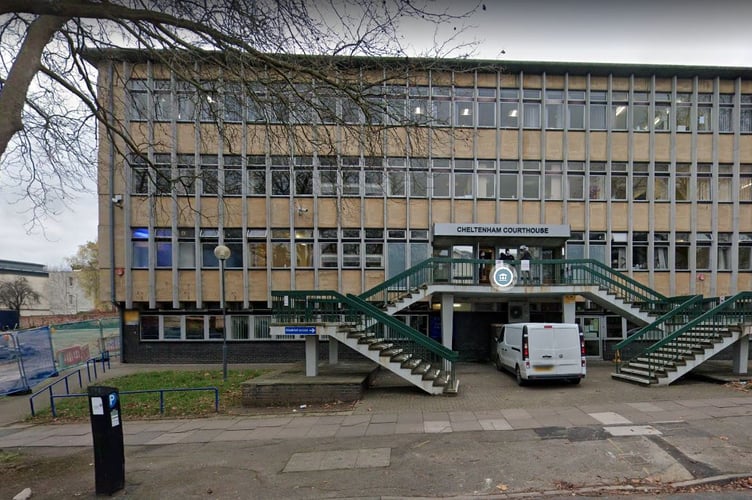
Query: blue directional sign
[[503, 277], [300, 330]]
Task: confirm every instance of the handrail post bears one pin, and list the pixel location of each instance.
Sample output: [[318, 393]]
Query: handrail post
[[161, 402]]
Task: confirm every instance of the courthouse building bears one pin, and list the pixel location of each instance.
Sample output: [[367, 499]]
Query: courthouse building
[[647, 169]]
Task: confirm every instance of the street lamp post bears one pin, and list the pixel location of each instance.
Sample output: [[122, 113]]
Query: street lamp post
[[222, 253]]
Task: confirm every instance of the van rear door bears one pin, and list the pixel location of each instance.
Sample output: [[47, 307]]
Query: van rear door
[[555, 350]]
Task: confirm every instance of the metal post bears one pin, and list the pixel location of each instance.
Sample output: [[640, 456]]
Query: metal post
[[222, 253]]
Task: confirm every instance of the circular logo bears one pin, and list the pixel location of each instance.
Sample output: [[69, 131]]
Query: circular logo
[[503, 277]]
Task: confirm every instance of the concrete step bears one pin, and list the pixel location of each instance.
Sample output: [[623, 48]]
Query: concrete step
[[632, 378]]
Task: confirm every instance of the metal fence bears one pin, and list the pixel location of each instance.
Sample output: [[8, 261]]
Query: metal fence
[[75, 343], [26, 358]]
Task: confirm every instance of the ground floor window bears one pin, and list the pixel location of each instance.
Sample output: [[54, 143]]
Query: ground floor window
[[202, 327]]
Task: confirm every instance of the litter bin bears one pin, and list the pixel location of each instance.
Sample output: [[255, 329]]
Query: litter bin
[[107, 432]]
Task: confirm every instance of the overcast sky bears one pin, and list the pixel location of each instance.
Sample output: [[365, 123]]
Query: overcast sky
[[687, 32]]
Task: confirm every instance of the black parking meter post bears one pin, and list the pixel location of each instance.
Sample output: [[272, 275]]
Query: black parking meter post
[[107, 432]]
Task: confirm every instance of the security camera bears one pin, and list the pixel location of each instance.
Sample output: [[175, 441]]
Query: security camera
[[117, 199], [302, 210]]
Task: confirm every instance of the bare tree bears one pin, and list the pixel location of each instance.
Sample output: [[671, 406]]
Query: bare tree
[[49, 106], [18, 293]]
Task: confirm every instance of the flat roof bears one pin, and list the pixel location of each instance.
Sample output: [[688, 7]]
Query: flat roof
[[441, 64], [27, 268]]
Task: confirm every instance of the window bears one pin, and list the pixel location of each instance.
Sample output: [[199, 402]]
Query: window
[[704, 112], [280, 176], [209, 175], [508, 180], [303, 171], [640, 112], [683, 112], [745, 251], [619, 181], [172, 328], [304, 247], [209, 241], [575, 180], [553, 181], [327, 180], [233, 173], [257, 248], [597, 181], [662, 114], [374, 248], [163, 239], [724, 251], [418, 184], [597, 246], [726, 113], [374, 183], [418, 105], [640, 250], [234, 241], [510, 108], [162, 173], [139, 175], [463, 184], [281, 248], [702, 253], [619, 110], [486, 184], [597, 110], [683, 181], [725, 183], [256, 175], [531, 108], [745, 183], [139, 247], [576, 110], [745, 114], [186, 248], [350, 180], [463, 107], [162, 100], [486, 107], [441, 104], [704, 182], [149, 327], [185, 183], [397, 185], [232, 100], [682, 252], [660, 248], [328, 248], [396, 100], [640, 181], [619, 251], [661, 182], [531, 180], [441, 178], [554, 109], [138, 100]]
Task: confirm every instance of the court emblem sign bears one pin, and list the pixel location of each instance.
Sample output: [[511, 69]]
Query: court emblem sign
[[503, 277]]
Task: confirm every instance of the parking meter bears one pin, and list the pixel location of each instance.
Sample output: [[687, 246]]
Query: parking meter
[[107, 432]]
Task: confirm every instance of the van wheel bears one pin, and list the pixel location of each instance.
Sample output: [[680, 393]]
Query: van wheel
[[520, 380]]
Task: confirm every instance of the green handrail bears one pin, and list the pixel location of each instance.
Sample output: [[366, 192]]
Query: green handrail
[[554, 271], [735, 310], [352, 303]]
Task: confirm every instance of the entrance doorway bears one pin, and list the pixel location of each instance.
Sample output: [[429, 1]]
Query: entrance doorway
[[593, 329]]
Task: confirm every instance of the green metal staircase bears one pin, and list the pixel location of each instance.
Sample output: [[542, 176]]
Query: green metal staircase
[[679, 333], [683, 338], [379, 337]]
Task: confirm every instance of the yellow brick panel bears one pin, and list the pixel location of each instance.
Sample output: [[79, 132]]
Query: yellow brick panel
[[351, 282], [684, 85], [258, 289], [486, 212], [598, 216], [640, 215], [619, 146], [642, 84], [532, 81], [620, 84], [396, 213], [141, 288], [187, 285], [745, 149], [374, 278], [418, 214], [233, 212], [619, 216], [705, 148], [280, 212], [705, 85], [327, 212], [487, 80], [531, 212], [745, 223], [641, 150], [256, 212], [726, 148], [599, 83], [441, 143], [374, 212], [726, 86], [509, 139], [304, 280], [577, 82], [704, 217], [555, 145], [662, 217], [328, 280], [464, 79], [683, 147], [531, 145], [576, 215], [598, 143], [726, 217], [463, 211], [683, 219], [554, 213], [576, 146], [233, 285], [555, 82], [441, 211], [281, 280], [510, 80], [350, 213], [486, 143]]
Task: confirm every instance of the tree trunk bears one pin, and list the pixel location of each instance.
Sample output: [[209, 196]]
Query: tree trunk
[[25, 66]]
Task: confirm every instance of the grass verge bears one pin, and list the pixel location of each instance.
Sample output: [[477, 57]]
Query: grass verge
[[176, 404]]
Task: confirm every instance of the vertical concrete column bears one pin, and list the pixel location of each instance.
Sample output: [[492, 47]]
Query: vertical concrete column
[[740, 356], [447, 319], [568, 307], [311, 355], [333, 351]]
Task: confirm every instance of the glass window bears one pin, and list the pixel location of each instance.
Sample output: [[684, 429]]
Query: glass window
[[745, 114], [149, 327], [705, 112], [531, 108], [486, 114], [575, 180], [618, 181], [194, 328], [397, 185], [597, 181], [597, 110], [553, 182], [171, 327], [745, 184], [683, 112], [281, 254], [441, 184], [662, 113], [463, 185], [138, 100], [328, 254], [555, 109], [640, 181], [486, 185], [510, 108], [726, 113]]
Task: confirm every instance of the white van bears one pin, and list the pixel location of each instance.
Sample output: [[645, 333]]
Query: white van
[[534, 351]]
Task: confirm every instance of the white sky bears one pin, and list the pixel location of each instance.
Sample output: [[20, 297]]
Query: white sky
[[678, 32]]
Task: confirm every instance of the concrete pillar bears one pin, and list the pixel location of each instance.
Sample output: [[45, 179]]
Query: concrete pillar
[[333, 351], [311, 355], [568, 308], [740, 356], [447, 319]]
